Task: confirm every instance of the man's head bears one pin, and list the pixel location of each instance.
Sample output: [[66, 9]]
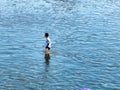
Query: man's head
[[46, 35]]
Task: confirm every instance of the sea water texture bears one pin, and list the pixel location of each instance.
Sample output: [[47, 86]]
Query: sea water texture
[[85, 51]]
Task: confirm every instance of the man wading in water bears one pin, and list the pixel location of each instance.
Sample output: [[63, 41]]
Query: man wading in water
[[47, 47], [48, 44]]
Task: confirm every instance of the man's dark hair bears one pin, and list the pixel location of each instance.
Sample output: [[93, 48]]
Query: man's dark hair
[[46, 34]]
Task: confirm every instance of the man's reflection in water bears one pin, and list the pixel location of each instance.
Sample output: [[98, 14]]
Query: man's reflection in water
[[47, 58], [45, 73]]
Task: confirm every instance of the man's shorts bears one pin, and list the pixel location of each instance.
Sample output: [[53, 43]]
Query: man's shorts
[[48, 48]]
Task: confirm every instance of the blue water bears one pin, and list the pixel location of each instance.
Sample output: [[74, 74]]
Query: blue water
[[85, 51]]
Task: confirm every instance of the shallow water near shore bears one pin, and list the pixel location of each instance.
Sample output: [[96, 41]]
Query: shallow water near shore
[[85, 49]]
